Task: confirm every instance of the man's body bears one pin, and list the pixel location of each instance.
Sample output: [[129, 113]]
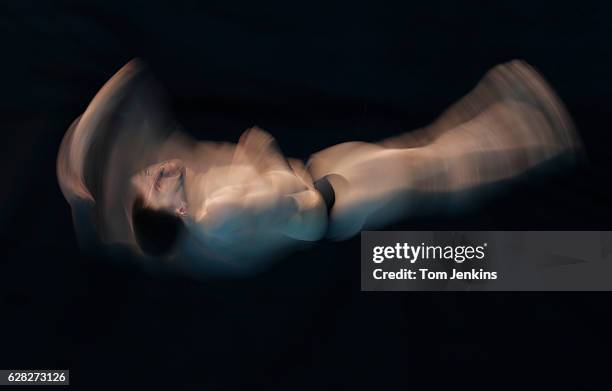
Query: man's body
[[247, 200]]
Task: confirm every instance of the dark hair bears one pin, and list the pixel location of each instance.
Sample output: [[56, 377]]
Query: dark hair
[[157, 232]]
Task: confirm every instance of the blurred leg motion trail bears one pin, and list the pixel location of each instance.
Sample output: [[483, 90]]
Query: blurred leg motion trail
[[510, 122], [133, 177]]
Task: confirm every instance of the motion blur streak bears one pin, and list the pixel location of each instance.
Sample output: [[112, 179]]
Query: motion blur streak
[[119, 133], [126, 156], [510, 122]]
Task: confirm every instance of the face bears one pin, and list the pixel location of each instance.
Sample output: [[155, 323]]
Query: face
[[162, 186]]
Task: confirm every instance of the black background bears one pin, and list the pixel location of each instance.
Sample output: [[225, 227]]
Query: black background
[[313, 75]]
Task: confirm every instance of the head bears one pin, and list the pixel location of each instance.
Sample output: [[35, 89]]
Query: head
[[157, 232], [159, 208]]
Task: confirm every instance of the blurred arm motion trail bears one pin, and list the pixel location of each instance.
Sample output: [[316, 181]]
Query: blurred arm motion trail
[[140, 181]]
